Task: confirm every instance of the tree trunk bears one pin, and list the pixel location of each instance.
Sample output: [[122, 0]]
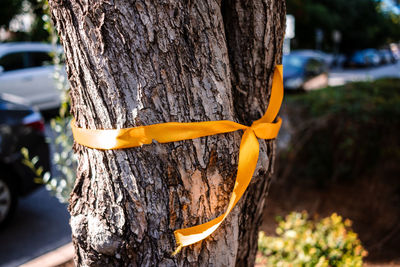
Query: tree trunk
[[136, 63]]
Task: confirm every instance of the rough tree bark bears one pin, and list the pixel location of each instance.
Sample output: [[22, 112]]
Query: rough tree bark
[[136, 63]]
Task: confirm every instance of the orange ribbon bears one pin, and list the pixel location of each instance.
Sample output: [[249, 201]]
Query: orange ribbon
[[264, 128]]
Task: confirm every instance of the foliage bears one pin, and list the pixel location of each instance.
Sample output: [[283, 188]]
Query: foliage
[[9, 8], [61, 182], [31, 163], [39, 31], [364, 101], [303, 242], [362, 23], [348, 131], [34, 7]]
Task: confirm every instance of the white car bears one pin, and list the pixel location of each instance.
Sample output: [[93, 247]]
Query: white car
[[26, 70]]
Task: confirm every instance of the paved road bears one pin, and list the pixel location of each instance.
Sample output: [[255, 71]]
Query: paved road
[[39, 225], [340, 77]]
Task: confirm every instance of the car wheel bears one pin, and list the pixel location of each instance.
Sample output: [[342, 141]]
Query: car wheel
[[8, 201]]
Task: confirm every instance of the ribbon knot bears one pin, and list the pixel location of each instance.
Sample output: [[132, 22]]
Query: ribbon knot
[[264, 128]]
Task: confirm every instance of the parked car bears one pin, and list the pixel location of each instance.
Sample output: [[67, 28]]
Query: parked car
[[356, 59], [304, 70], [328, 58], [26, 70], [20, 126], [364, 58], [385, 56], [338, 60], [372, 57]]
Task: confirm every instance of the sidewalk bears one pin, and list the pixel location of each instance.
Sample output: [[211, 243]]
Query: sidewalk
[[62, 256]]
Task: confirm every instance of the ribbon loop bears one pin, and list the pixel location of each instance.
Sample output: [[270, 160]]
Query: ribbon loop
[[263, 128]]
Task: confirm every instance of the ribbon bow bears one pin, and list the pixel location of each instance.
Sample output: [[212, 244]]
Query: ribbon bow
[[264, 128]]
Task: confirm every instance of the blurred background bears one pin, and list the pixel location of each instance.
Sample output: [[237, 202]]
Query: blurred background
[[338, 151], [339, 148]]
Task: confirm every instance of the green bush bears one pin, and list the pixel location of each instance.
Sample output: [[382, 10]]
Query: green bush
[[343, 133], [304, 242], [361, 101]]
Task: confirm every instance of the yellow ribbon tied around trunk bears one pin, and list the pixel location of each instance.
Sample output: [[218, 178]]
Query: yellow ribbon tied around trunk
[[265, 128]]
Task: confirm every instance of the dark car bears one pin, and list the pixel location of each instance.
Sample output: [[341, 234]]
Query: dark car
[[20, 126], [385, 56], [304, 70], [372, 56], [364, 58]]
